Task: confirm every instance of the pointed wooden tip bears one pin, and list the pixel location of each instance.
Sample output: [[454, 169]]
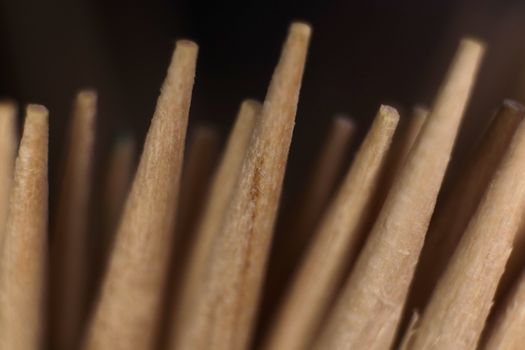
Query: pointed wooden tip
[[301, 28], [388, 115], [473, 44], [36, 113], [344, 122], [187, 46]]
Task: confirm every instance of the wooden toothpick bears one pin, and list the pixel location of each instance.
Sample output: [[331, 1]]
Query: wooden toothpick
[[368, 310], [302, 216], [450, 221], [226, 310], [195, 181], [507, 333], [8, 146], [334, 243], [69, 258], [461, 301], [24, 257], [220, 194], [126, 314]]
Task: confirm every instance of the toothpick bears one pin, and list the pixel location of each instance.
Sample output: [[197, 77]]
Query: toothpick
[[507, 333], [117, 180], [403, 143], [368, 310], [69, 259], [225, 316], [198, 166], [8, 145], [450, 222], [221, 190], [461, 301], [335, 241], [24, 256], [126, 314], [302, 217]]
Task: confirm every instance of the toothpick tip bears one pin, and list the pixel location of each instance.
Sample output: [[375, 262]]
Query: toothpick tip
[[186, 45], [301, 28]]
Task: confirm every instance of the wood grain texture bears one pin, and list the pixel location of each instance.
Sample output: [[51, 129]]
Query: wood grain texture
[[24, 257], [227, 308], [334, 243], [126, 314], [299, 219], [69, 258], [449, 223], [461, 301], [222, 187], [8, 146], [508, 331], [369, 307]]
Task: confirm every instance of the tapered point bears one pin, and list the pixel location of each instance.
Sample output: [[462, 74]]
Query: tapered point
[[301, 28]]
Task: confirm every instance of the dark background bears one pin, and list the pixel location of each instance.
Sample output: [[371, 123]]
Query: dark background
[[363, 53]]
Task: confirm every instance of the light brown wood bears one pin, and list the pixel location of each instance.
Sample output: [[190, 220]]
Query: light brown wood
[[450, 221], [8, 146], [403, 143], [301, 217], [117, 180], [24, 257], [461, 301], [369, 307], [198, 167], [126, 314], [226, 310], [221, 191], [69, 258], [334, 243], [508, 331]]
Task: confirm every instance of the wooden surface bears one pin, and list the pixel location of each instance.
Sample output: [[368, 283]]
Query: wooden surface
[[24, 257], [461, 301], [127, 311], [368, 309], [334, 243]]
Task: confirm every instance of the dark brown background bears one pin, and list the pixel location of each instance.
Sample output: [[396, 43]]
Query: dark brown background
[[363, 53]]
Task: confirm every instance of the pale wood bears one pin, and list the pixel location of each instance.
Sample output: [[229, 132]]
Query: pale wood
[[223, 184], [368, 310], [24, 257], [334, 243], [198, 167], [461, 301], [508, 332], [117, 180], [450, 221], [126, 313], [8, 146], [403, 143], [226, 310], [69, 258], [300, 219]]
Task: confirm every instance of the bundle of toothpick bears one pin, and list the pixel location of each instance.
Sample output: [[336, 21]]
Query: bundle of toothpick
[[197, 253]]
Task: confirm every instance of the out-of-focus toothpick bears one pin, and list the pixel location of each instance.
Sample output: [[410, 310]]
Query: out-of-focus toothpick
[[334, 242], [461, 301], [302, 216], [24, 257], [221, 190], [199, 164], [508, 331], [117, 181], [126, 314], [449, 223], [8, 145], [69, 258], [226, 311], [368, 310]]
